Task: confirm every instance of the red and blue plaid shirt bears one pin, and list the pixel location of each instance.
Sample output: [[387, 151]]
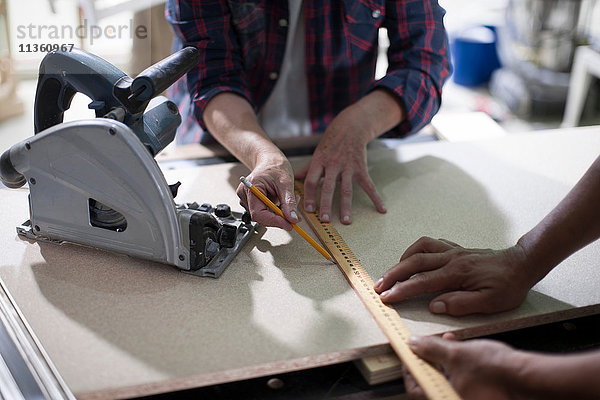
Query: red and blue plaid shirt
[[242, 43]]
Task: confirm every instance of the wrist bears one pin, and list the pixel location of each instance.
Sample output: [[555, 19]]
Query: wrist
[[527, 369], [557, 376], [383, 111], [366, 120], [535, 259], [268, 155]]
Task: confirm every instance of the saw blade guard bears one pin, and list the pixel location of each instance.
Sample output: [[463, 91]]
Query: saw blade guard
[[78, 169]]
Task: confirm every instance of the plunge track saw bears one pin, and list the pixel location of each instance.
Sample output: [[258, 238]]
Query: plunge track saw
[[95, 182]]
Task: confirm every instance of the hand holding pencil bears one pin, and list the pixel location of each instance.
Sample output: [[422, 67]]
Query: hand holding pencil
[[276, 209]]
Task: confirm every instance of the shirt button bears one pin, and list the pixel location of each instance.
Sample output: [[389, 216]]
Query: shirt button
[[283, 22], [273, 76], [376, 14]]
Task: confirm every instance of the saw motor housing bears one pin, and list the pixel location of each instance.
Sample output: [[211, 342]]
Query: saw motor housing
[[96, 182]]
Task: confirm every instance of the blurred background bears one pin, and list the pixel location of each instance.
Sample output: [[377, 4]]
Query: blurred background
[[519, 65]]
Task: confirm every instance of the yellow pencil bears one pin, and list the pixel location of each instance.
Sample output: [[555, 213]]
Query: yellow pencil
[[276, 209]]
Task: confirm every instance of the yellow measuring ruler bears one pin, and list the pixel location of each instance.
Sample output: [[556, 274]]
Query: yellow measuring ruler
[[434, 384]]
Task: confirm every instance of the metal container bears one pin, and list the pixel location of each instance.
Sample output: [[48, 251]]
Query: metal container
[[544, 32]]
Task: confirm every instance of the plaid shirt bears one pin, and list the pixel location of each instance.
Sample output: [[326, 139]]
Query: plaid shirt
[[242, 43]]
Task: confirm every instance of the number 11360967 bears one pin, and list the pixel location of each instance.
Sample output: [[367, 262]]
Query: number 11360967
[[45, 47]]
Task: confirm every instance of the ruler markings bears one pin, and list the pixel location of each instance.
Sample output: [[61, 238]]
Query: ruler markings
[[434, 383]]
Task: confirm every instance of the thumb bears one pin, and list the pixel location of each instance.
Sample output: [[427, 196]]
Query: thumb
[[431, 348], [461, 303]]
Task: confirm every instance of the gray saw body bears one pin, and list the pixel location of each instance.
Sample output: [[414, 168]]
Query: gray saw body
[[96, 183]]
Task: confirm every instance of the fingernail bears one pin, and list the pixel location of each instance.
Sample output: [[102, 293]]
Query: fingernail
[[310, 208], [413, 342], [346, 219], [294, 215], [378, 283], [438, 307], [385, 294], [325, 217]]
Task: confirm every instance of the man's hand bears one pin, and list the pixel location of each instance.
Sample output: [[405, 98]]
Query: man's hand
[[477, 369], [486, 369], [231, 119], [341, 156], [274, 178], [475, 280]]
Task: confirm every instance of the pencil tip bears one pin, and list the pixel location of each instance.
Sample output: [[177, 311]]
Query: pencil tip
[[332, 260]]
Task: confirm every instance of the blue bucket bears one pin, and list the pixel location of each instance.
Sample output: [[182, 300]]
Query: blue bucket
[[474, 56]]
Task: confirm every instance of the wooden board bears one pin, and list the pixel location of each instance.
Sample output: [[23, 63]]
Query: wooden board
[[479, 194], [118, 327]]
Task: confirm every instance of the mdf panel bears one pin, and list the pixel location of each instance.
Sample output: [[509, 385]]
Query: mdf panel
[[117, 327]]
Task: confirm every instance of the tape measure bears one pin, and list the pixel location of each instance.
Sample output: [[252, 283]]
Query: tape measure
[[434, 384]]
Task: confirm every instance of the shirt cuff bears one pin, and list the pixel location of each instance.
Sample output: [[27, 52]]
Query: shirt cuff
[[421, 99]]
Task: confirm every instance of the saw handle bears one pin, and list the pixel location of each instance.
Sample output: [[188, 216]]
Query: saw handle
[[66, 73], [157, 78]]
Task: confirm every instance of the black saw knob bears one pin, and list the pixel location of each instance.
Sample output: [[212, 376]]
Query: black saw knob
[[222, 211], [205, 207], [174, 188], [228, 235], [246, 218]]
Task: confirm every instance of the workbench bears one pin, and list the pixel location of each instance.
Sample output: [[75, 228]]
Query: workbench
[[120, 327]]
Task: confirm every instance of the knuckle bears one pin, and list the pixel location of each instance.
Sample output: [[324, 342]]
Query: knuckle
[[418, 259], [388, 276], [421, 283], [420, 280], [423, 240], [284, 178], [346, 191], [328, 188], [464, 267]]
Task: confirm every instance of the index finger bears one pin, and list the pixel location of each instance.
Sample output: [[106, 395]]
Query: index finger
[[420, 262], [263, 215], [426, 244]]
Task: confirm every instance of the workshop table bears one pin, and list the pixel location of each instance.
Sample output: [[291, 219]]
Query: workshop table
[[120, 327]]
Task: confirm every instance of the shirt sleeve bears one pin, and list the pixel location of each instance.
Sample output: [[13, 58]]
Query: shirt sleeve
[[418, 60], [206, 25]]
